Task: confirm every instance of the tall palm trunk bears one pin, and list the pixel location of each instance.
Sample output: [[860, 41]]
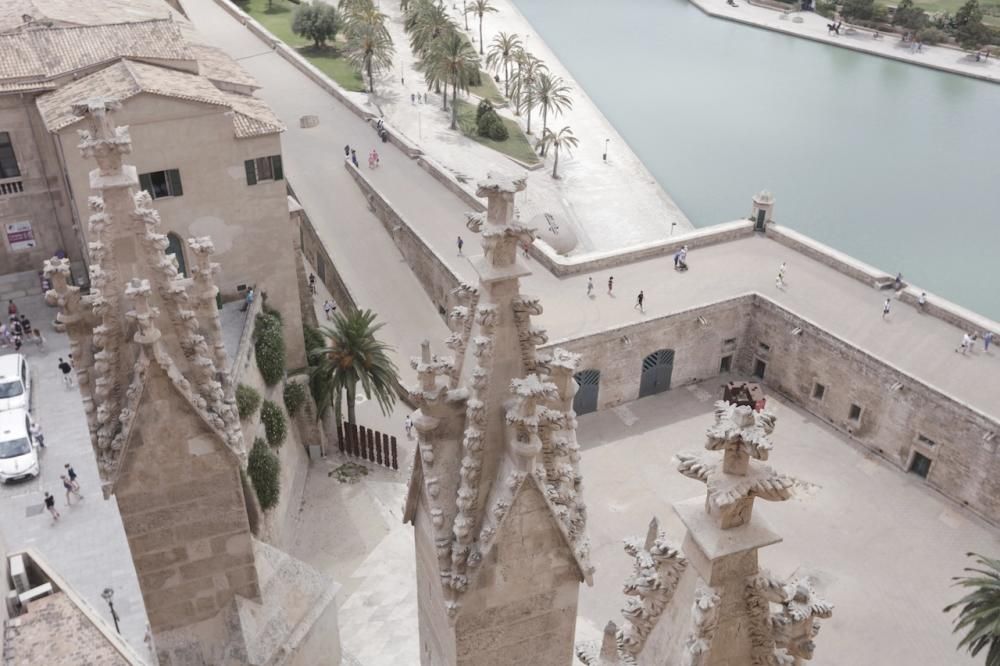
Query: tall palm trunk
[[454, 106], [480, 33], [529, 119], [444, 97], [506, 79], [545, 124], [338, 409], [371, 80], [351, 416], [465, 13], [555, 163]]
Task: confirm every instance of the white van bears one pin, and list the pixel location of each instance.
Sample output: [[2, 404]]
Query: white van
[[18, 448], [15, 382]]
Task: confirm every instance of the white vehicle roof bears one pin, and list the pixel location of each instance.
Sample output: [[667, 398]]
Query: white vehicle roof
[[12, 424], [10, 366]]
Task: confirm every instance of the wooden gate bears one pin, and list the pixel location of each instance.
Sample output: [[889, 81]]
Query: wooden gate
[[588, 383], [656, 371], [367, 444]]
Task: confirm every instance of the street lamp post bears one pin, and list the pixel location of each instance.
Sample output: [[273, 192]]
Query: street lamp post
[[605, 156], [108, 594]]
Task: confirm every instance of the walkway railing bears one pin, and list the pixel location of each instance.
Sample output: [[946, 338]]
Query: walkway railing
[[367, 444]]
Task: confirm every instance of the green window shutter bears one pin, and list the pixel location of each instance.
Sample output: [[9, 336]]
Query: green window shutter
[[174, 178], [251, 172], [279, 174], [145, 183]]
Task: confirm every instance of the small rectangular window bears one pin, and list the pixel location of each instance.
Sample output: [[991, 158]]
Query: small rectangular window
[[727, 364], [855, 413], [8, 162], [818, 391], [924, 439], [263, 169], [763, 346], [759, 367], [729, 344], [162, 184], [920, 465]]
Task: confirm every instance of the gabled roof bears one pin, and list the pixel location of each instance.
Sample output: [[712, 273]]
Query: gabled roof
[[27, 14], [46, 54], [216, 66], [126, 79]]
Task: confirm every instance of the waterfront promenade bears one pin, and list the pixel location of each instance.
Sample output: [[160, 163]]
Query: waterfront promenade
[[813, 26], [917, 344]]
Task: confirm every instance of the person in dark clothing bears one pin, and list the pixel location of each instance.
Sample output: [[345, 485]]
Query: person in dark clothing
[[67, 372], [347, 150], [50, 504], [354, 157]]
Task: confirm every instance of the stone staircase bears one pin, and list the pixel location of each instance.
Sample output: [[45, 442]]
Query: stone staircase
[[18, 285]]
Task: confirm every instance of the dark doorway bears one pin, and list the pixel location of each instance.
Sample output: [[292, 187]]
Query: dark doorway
[[726, 365], [761, 217], [588, 383], [759, 367], [656, 371], [176, 248], [920, 465]]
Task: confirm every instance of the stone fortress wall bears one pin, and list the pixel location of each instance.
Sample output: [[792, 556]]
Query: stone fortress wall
[[897, 423]]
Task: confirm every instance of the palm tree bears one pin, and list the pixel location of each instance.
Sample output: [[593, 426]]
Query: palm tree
[[550, 93], [980, 610], [528, 69], [480, 8], [562, 139], [454, 61], [352, 356], [425, 22], [369, 46], [501, 55]]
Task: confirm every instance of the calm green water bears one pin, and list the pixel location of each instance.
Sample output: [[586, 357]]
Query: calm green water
[[892, 163]]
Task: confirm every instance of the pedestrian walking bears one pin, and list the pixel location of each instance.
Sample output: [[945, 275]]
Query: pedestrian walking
[[781, 270], [70, 490], [50, 504], [354, 157], [638, 302], [611, 284], [67, 372], [408, 424], [25, 326], [71, 474], [885, 308], [413, 98], [347, 151], [460, 243], [38, 339], [36, 434], [779, 281], [312, 283], [898, 282], [966, 343], [922, 300], [590, 287], [247, 300], [11, 309], [328, 308], [987, 340]]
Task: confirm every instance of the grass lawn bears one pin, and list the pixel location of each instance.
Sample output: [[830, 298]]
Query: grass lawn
[[488, 90], [278, 19], [516, 145], [991, 8]]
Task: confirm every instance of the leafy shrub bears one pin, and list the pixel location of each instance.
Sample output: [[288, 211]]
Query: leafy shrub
[[247, 401], [269, 348], [295, 396], [275, 426], [932, 36], [491, 126], [859, 9], [314, 340], [909, 16], [484, 107], [264, 470], [317, 21]]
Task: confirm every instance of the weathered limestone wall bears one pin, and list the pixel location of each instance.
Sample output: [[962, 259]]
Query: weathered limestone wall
[[437, 637], [249, 224], [318, 256], [522, 606], [181, 502], [698, 348], [43, 201], [895, 423]]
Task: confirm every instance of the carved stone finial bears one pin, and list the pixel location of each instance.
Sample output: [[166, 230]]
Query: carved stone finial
[[144, 314]]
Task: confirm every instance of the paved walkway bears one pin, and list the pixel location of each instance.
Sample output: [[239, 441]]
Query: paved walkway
[[87, 545], [368, 261], [813, 26]]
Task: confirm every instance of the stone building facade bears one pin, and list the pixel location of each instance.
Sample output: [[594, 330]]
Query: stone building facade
[[213, 165]]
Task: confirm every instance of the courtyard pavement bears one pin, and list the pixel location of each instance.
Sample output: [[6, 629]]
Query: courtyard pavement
[[87, 545], [381, 279], [873, 540]]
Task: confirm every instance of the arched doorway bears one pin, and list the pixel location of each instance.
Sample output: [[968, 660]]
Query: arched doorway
[[588, 383], [656, 371], [176, 248]]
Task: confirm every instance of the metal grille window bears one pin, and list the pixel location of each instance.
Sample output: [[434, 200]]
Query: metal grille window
[[162, 184], [264, 169], [8, 162]]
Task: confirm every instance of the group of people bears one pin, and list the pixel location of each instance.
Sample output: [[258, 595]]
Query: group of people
[[18, 330], [72, 487]]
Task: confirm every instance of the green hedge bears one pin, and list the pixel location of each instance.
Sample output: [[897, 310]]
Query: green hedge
[[295, 397], [314, 340], [269, 348], [247, 401], [275, 425], [264, 470]]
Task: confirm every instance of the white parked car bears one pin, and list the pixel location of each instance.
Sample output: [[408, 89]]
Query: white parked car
[[18, 448], [15, 382]]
